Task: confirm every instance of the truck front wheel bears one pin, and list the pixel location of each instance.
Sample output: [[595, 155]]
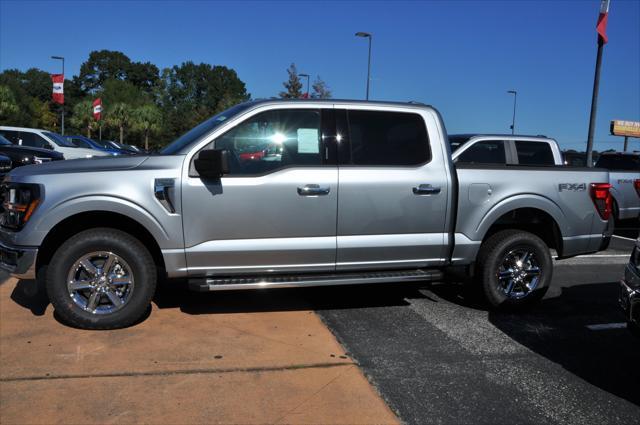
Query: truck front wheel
[[514, 268], [101, 279]]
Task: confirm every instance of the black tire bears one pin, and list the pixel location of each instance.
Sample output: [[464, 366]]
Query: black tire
[[126, 249], [494, 254]]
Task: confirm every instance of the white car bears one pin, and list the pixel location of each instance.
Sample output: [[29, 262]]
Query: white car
[[38, 138]]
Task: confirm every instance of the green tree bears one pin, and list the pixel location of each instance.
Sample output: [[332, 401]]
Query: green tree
[[8, 105], [148, 120], [293, 85], [320, 89], [42, 116], [194, 92], [101, 66], [82, 117], [119, 116]]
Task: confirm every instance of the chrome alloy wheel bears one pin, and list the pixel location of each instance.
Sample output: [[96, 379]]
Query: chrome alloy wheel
[[100, 282], [519, 273]]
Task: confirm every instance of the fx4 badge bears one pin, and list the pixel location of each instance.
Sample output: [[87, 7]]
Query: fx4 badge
[[575, 187]]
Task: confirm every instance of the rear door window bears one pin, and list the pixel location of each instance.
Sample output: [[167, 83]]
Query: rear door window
[[484, 152], [534, 153], [10, 135], [387, 138], [34, 140]]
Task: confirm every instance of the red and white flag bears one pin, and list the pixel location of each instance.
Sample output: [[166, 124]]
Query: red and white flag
[[58, 88], [601, 27], [97, 109]]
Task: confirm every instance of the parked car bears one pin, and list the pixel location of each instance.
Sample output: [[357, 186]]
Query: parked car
[[5, 165], [87, 143], [624, 176], [24, 155], [130, 149], [630, 291], [400, 211], [44, 139], [504, 149]]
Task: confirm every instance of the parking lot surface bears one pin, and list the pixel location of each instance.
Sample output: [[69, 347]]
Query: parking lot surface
[[439, 358], [195, 359]]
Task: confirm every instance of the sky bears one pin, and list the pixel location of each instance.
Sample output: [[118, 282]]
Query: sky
[[459, 56]]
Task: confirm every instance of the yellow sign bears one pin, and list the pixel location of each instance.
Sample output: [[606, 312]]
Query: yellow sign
[[625, 128]]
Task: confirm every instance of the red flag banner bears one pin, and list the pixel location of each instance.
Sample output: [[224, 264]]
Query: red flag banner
[[97, 109], [601, 27], [58, 88]]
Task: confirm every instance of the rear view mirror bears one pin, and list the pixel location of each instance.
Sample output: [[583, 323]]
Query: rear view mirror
[[212, 163]]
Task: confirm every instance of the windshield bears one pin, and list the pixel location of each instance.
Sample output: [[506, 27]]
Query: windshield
[[59, 140], [4, 141], [457, 141], [180, 144]]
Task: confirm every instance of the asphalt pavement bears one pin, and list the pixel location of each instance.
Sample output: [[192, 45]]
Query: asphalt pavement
[[438, 357]]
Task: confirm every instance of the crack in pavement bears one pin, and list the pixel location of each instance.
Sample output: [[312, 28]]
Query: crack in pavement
[[180, 372]]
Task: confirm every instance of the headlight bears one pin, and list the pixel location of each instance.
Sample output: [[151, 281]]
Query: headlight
[[20, 200], [26, 160], [88, 156]]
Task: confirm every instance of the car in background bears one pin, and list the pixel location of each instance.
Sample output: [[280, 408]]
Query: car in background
[[38, 138], [629, 298], [5, 165], [87, 143], [25, 155], [130, 149], [624, 177], [505, 149]]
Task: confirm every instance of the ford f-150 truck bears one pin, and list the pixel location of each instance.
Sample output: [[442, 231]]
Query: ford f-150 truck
[[624, 176], [347, 192]]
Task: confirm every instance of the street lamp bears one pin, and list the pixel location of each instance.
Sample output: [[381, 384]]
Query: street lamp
[[513, 121], [306, 75], [367, 35], [62, 59]]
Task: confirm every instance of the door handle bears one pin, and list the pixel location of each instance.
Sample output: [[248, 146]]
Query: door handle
[[426, 189], [313, 190]]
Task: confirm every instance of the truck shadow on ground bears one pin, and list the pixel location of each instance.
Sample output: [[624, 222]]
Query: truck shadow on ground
[[556, 329], [175, 295]]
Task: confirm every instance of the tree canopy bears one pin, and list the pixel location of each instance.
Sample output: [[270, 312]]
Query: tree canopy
[[141, 104]]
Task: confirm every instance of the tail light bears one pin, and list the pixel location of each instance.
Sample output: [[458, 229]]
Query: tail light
[[636, 184], [602, 199]]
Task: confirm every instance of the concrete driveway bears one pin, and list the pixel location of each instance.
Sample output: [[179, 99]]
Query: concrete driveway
[[195, 359]]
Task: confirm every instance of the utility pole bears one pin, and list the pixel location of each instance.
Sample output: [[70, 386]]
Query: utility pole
[[367, 35], [601, 28], [513, 120]]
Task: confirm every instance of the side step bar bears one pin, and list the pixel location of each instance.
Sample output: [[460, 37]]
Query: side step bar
[[302, 280]]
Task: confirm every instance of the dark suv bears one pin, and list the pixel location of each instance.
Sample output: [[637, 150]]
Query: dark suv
[[25, 155], [630, 290]]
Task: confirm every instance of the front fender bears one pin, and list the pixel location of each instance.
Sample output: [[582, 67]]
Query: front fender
[[47, 219]]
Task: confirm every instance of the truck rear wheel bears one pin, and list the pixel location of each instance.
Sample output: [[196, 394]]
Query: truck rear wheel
[[101, 279], [514, 268]]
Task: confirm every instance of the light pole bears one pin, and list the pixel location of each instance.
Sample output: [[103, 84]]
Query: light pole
[[513, 121], [306, 75], [62, 59], [367, 35]]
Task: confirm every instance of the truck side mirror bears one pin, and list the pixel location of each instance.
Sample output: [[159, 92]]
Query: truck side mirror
[[212, 163]]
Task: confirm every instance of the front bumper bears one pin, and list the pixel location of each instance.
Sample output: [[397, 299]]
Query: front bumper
[[20, 262], [629, 297]]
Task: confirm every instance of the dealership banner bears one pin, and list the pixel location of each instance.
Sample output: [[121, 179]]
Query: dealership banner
[[97, 109], [58, 88]]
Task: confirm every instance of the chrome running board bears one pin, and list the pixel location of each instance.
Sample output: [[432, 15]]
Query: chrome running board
[[297, 281]]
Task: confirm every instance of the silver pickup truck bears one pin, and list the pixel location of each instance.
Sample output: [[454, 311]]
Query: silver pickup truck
[[624, 176], [294, 193]]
